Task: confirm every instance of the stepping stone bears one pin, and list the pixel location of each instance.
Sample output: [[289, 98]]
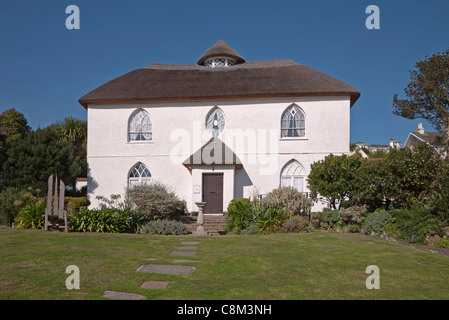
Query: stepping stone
[[150, 259], [166, 269], [186, 248], [182, 253], [154, 284], [122, 295], [183, 260], [191, 243]]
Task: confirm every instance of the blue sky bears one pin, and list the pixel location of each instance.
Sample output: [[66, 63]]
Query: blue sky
[[45, 68]]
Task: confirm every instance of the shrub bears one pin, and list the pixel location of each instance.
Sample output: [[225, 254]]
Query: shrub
[[239, 215], [354, 228], [443, 243], [271, 219], [353, 215], [30, 217], [165, 227], [317, 219], [332, 218], [74, 204], [156, 200], [414, 225], [295, 224], [251, 229], [99, 220], [12, 200], [288, 199], [375, 222]]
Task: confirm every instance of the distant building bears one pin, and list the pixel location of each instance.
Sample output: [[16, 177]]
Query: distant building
[[419, 136]]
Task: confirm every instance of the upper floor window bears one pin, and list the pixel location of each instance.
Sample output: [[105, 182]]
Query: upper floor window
[[215, 121], [139, 126], [293, 123]]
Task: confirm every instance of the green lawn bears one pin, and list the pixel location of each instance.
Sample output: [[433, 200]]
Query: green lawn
[[276, 266]]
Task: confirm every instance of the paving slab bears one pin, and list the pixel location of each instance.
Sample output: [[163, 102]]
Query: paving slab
[[154, 284], [150, 259], [166, 269], [183, 260], [186, 248], [190, 243], [122, 295], [182, 253]]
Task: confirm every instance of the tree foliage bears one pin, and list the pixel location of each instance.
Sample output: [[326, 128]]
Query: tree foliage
[[12, 123], [428, 93], [333, 178], [403, 179], [31, 159]]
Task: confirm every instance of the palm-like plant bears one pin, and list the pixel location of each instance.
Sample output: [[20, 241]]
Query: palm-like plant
[[73, 130]]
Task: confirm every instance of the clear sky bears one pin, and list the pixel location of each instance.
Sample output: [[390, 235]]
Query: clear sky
[[45, 68]]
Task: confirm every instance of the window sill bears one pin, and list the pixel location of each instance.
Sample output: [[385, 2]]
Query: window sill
[[140, 142], [292, 138]]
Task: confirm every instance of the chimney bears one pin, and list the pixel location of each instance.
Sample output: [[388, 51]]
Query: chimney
[[420, 129]]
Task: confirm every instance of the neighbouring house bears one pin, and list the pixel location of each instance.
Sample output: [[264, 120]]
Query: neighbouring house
[[433, 139], [219, 129], [371, 148]]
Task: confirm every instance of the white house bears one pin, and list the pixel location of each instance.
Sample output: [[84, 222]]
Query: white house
[[433, 139], [220, 129]]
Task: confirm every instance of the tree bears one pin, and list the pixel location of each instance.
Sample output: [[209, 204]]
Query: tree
[[31, 159], [12, 123], [401, 180], [333, 178], [428, 93], [74, 131]]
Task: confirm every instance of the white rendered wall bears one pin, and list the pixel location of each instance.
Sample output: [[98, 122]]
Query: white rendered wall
[[179, 131]]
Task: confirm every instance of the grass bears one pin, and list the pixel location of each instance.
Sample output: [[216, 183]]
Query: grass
[[276, 266]]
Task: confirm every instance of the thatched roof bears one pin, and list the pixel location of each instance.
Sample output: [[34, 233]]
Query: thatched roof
[[175, 82]]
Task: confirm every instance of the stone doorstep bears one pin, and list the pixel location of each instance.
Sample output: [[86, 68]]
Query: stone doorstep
[[122, 295], [155, 284]]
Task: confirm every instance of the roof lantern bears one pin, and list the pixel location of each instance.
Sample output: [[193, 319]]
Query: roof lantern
[[220, 55]]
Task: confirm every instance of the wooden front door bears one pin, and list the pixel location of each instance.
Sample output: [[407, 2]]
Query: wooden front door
[[213, 192]]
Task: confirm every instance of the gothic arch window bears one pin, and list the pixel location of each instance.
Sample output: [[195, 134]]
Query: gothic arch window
[[139, 126], [293, 123], [215, 121], [139, 174], [293, 175]]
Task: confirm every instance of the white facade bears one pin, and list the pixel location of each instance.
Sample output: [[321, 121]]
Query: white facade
[[178, 129]]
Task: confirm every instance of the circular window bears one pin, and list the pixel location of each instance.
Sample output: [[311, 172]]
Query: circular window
[[215, 122]]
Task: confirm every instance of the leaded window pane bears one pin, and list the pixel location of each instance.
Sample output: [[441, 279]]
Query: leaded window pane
[[293, 122], [140, 127], [293, 175]]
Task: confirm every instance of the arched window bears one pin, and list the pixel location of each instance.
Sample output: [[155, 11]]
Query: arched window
[[293, 123], [293, 175], [139, 174], [215, 121], [139, 126]]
